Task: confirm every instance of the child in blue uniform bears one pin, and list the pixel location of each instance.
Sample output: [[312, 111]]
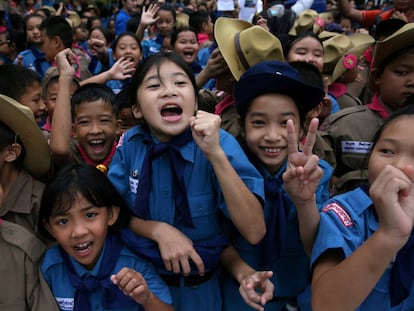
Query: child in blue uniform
[[363, 252], [182, 177], [267, 96], [90, 268]]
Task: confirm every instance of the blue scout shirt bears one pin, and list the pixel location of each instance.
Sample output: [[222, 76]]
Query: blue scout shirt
[[291, 274], [35, 60], [56, 275], [206, 201], [347, 221], [151, 46]]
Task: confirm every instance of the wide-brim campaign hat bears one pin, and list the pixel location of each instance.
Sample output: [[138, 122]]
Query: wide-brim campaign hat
[[73, 19], [334, 47], [349, 60], [303, 22], [275, 77], [402, 38], [243, 45], [20, 119]]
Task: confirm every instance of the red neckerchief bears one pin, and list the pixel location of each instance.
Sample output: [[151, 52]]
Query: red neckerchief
[[226, 102], [378, 107], [103, 165], [337, 89]]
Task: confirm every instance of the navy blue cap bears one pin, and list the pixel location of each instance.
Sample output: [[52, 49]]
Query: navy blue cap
[[275, 77]]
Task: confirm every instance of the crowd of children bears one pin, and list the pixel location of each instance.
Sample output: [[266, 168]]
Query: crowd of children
[[172, 156]]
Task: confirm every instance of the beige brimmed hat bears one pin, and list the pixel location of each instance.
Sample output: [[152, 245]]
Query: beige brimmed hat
[[402, 38], [349, 60], [73, 19], [182, 20], [243, 45], [334, 48], [303, 22], [20, 120]]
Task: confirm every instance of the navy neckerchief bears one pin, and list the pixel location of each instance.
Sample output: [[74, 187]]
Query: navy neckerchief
[[276, 222], [182, 214], [39, 58], [113, 297], [402, 271]]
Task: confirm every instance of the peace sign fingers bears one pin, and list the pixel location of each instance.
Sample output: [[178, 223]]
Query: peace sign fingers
[[292, 139], [311, 137]]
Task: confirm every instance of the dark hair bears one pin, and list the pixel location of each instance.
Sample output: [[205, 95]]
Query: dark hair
[[290, 41], [108, 35], [27, 18], [9, 137], [126, 34], [91, 92], [177, 31], [90, 20], [62, 191], [57, 26], [169, 8], [54, 79], [386, 28], [157, 60], [16, 37], [16, 79], [197, 19], [123, 99], [405, 111]]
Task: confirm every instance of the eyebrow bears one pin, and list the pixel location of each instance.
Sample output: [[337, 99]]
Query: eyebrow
[[157, 77], [284, 114]]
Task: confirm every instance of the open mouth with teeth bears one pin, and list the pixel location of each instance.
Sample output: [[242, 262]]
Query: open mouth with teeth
[[83, 249], [272, 151], [97, 145], [171, 112]]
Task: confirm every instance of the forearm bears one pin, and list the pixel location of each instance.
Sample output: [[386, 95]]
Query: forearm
[[100, 78], [155, 304], [149, 229], [202, 78], [140, 31], [348, 11], [244, 208], [308, 218], [234, 264], [348, 283], [61, 127]]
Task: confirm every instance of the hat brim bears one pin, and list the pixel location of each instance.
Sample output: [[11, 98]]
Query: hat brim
[[224, 31], [16, 116], [339, 69], [305, 95], [402, 38]]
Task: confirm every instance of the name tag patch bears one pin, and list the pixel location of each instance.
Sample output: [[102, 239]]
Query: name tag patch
[[340, 212], [356, 146], [65, 303]]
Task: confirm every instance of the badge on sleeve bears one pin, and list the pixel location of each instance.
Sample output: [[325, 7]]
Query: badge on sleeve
[[340, 212]]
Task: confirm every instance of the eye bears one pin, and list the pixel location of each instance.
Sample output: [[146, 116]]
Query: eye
[[180, 82], [386, 151], [91, 215], [61, 221], [154, 86], [258, 122], [284, 122]]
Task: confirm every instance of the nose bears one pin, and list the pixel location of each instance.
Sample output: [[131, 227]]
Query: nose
[[95, 127], [167, 90], [273, 133], [42, 105], [78, 230]]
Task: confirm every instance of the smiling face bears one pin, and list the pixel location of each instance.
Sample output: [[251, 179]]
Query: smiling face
[[187, 46], [81, 230], [265, 129], [166, 100], [95, 128], [33, 33], [394, 147], [32, 98], [128, 47], [307, 50]]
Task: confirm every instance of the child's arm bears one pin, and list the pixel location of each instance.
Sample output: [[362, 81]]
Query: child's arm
[[215, 66], [301, 179], [348, 282], [147, 18], [61, 129], [176, 249], [244, 208], [133, 284], [255, 288], [121, 70]]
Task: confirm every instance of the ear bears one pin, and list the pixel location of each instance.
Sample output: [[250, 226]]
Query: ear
[[13, 152], [204, 26], [242, 129], [316, 111], [137, 112], [113, 213]]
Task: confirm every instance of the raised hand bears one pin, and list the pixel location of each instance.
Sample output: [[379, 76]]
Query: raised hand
[[148, 15], [302, 174]]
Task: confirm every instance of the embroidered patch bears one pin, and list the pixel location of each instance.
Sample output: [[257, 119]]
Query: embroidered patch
[[65, 303], [340, 212], [356, 146]]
